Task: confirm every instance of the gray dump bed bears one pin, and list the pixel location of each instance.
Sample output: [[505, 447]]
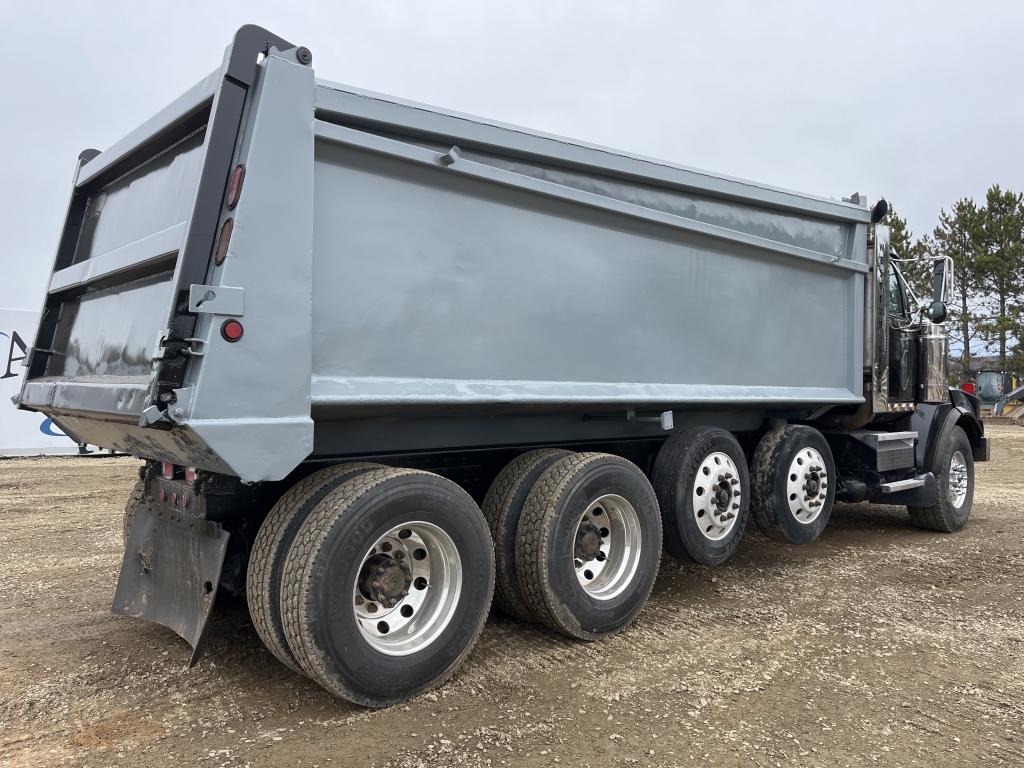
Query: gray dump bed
[[393, 263]]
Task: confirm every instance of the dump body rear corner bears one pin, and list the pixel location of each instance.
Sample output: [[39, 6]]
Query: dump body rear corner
[[129, 354]]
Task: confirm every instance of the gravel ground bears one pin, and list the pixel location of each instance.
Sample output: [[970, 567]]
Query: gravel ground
[[877, 644]]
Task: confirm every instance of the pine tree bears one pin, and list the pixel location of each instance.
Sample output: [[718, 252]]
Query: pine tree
[[960, 235], [1001, 266]]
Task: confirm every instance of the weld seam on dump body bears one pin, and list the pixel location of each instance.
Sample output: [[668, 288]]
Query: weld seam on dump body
[[327, 390], [394, 148], [360, 106]]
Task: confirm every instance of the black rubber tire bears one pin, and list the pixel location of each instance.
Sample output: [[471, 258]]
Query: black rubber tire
[[502, 508], [270, 547], [675, 470], [322, 567], [546, 538], [135, 500], [769, 504], [943, 516]]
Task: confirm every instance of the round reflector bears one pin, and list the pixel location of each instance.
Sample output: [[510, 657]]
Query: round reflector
[[231, 330]]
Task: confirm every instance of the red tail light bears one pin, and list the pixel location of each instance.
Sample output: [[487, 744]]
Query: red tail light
[[225, 240], [235, 186], [231, 330]]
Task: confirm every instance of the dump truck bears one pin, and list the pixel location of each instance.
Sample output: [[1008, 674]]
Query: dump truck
[[385, 362]]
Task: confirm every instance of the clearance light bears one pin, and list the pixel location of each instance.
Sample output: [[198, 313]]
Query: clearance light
[[231, 330]]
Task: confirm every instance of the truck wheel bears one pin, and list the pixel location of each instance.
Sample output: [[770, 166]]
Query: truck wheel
[[953, 466], [589, 545], [502, 509], [135, 499], [703, 488], [270, 547], [793, 482], [387, 585]]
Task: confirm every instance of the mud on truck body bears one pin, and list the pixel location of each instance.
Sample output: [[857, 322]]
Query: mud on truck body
[[384, 361]]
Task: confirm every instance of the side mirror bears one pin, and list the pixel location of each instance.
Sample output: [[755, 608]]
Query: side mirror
[[937, 312]]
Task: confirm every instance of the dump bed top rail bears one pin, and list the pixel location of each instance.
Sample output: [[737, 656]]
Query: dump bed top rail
[[349, 105]]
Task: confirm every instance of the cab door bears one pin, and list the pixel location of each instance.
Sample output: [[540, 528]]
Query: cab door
[[902, 341]]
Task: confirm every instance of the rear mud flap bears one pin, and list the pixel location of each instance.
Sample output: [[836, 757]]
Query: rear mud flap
[[170, 572]]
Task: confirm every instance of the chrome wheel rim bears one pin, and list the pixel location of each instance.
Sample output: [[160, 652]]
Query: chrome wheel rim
[[717, 495], [957, 481], [607, 546], [807, 485], [407, 588]]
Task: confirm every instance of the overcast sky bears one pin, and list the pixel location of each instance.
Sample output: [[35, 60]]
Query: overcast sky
[[918, 101]]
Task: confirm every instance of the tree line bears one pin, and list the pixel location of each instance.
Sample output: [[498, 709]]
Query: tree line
[[986, 242]]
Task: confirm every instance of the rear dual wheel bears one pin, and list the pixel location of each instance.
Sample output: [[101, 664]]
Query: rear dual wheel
[[386, 585], [588, 545], [270, 548], [373, 581]]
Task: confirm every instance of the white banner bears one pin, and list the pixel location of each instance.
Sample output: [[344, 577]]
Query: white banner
[[23, 433]]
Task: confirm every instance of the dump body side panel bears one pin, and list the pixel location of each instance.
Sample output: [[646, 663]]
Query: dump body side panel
[[494, 274]]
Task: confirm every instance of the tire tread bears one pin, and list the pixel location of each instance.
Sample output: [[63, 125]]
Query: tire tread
[[499, 503], [270, 548]]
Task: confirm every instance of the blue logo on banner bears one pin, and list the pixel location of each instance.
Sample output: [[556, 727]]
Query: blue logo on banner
[[48, 428]]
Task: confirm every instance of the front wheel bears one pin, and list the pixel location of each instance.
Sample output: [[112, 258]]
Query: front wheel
[[953, 466]]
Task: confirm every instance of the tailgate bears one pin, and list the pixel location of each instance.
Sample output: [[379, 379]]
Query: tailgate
[[110, 296], [117, 357]]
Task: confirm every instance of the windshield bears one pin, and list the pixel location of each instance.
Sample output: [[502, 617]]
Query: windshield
[[897, 307]]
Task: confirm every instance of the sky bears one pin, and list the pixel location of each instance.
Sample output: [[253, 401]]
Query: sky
[[919, 102]]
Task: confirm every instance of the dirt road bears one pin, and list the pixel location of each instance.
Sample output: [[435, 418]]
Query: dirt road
[[878, 644]]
